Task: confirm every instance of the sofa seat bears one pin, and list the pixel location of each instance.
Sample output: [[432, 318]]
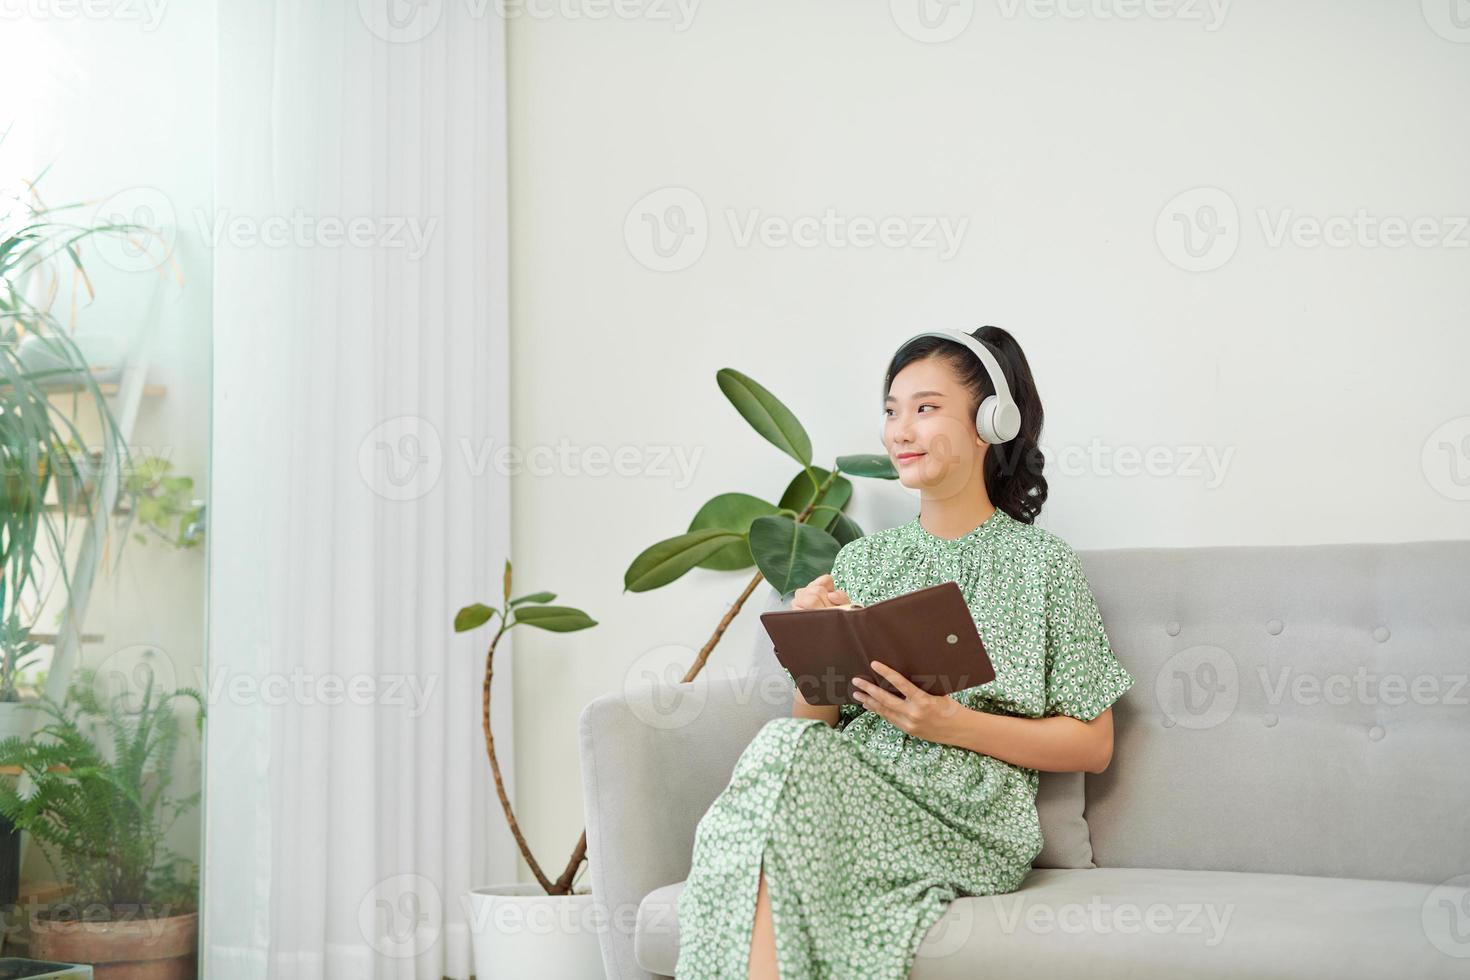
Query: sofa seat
[[1140, 923]]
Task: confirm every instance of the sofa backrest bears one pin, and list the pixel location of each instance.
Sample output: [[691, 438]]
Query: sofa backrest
[[1299, 709]]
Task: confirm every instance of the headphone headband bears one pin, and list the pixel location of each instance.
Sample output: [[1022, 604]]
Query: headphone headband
[[998, 418]]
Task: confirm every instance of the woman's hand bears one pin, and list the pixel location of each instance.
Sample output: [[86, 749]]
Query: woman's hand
[[917, 712], [821, 593]]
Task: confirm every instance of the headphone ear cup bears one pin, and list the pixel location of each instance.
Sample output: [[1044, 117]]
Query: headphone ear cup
[[997, 423]]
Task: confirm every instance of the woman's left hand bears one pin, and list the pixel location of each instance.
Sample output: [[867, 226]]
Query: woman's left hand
[[917, 712]]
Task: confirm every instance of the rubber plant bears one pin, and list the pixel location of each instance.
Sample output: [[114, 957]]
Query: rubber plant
[[527, 610], [790, 542]]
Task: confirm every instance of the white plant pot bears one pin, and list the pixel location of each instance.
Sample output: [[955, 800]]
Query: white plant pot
[[519, 931]]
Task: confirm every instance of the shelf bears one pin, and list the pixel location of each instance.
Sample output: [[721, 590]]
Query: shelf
[[49, 639], [106, 387]]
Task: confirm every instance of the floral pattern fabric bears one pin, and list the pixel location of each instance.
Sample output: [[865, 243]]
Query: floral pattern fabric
[[866, 833]]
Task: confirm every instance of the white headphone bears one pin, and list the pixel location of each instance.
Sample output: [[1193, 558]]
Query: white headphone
[[997, 419]]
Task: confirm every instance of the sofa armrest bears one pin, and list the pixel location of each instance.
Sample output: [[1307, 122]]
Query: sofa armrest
[[653, 759]]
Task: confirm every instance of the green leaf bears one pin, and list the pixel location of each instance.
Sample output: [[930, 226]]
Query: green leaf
[[731, 512], [662, 563], [533, 597], [766, 414], [800, 490], [473, 616], [844, 529], [557, 619], [789, 554], [868, 464]]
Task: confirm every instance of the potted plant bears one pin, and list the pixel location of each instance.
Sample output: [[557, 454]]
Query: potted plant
[[163, 503], [101, 769], [790, 543], [506, 919]]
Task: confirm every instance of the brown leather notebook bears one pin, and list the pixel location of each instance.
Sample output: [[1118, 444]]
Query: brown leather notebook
[[928, 635]]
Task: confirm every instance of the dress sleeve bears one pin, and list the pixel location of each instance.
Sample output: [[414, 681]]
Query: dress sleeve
[[842, 568], [1083, 677]]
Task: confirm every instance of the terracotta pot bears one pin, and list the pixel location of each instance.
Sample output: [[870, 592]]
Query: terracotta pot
[[135, 949]]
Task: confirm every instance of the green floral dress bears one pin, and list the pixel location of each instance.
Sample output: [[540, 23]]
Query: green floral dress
[[865, 832]]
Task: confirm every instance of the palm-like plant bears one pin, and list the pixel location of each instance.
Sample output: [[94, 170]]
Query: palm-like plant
[[102, 813], [37, 243]]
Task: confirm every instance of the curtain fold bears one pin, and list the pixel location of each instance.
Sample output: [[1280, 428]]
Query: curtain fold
[[360, 347]]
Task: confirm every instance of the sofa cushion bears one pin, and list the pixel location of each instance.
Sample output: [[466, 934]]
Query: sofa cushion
[[1299, 710], [1140, 923], [1059, 795]]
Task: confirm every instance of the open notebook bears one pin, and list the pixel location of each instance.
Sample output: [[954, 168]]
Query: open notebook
[[927, 635]]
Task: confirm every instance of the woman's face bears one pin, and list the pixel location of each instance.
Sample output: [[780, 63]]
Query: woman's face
[[929, 429]]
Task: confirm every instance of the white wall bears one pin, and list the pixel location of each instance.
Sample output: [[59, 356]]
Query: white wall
[[1316, 375]]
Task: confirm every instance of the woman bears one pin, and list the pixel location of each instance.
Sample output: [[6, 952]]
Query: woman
[[844, 832]]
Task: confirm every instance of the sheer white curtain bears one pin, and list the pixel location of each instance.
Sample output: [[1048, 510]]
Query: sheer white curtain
[[360, 345]]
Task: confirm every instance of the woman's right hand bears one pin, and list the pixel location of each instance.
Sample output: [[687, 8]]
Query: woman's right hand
[[821, 593]]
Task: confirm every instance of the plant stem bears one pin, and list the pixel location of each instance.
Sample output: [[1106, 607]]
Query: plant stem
[[563, 884]]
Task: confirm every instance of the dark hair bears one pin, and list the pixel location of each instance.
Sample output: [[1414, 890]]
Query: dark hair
[[1013, 478]]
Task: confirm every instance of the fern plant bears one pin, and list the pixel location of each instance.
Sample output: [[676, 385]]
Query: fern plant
[[101, 813]]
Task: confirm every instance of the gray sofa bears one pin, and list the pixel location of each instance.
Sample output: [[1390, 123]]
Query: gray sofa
[[1289, 794]]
